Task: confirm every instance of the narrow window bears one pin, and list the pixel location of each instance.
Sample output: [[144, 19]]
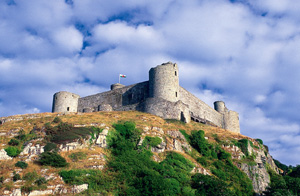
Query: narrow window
[[175, 73], [176, 94], [68, 108]]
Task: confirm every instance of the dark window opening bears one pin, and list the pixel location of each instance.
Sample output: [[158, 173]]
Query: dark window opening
[[176, 94], [68, 108], [175, 73]]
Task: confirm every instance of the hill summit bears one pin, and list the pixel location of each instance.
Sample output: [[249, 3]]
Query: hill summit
[[127, 153]]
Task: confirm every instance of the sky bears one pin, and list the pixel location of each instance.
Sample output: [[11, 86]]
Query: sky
[[243, 52]]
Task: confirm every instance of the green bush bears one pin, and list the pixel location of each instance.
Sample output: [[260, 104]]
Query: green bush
[[52, 159], [16, 177], [21, 135], [26, 189], [50, 147], [12, 151], [259, 141], [202, 161], [21, 165], [239, 182], [30, 176], [209, 185], [187, 136], [13, 142], [40, 181], [151, 141], [75, 156], [1, 179], [200, 144], [57, 120]]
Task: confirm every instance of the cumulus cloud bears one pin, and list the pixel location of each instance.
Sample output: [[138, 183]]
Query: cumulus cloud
[[241, 52]]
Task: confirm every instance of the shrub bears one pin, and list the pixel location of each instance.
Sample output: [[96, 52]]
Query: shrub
[[259, 141], [243, 145], [40, 181], [199, 143], [75, 156], [57, 120], [209, 185], [21, 135], [16, 177], [187, 136], [26, 189], [30, 176], [1, 179], [151, 141], [202, 161], [13, 142], [12, 151], [52, 159], [21, 165], [50, 147]]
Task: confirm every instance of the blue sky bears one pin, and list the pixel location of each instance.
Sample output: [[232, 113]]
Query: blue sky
[[242, 52]]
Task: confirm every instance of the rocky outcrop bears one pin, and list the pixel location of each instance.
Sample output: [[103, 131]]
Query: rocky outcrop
[[101, 139], [80, 188], [3, 155], [32, 150], [258, 172], [178, 142]]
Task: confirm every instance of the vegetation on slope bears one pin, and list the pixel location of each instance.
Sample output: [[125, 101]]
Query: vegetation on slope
[[130, 168]]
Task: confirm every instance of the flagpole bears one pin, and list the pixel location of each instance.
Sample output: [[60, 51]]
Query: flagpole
[[119, 79]]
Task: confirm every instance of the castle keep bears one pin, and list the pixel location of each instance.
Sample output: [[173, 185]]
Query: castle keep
[[161, 96]]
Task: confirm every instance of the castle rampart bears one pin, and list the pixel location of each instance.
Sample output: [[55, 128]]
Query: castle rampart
[[161, 96]]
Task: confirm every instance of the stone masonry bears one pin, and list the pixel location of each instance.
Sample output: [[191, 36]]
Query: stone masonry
[[161, 96]]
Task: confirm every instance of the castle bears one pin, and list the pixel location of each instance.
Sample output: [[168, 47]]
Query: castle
[[161, 96]]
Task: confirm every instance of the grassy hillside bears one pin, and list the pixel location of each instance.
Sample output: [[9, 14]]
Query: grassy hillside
[[143, 155]]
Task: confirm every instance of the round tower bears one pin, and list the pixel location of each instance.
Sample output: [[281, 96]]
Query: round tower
[[219, 106], [164, 82], [116, 86], [65, 102]]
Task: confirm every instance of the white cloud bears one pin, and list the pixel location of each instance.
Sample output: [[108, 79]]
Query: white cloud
[[69, 39]]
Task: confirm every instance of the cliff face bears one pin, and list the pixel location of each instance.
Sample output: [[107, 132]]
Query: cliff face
[[254, 160]]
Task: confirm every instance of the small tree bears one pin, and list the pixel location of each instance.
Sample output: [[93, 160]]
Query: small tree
[[52, 159]]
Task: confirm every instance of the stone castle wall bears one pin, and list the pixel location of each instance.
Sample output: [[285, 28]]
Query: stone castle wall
[[124, 98], [199, 109]]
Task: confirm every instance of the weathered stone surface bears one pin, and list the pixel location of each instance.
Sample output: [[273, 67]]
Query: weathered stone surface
[[3, 155], [179, 142], [31, 149], [16, 192], [37, 193], [159, 148], [80, 188], [60, 189], [200, 170], [101, 139], [258, 173]]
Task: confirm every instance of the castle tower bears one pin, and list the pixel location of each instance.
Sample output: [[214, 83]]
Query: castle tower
[[65, 102], [230, 118], [164, 82], [116, 86], [219, 106]]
